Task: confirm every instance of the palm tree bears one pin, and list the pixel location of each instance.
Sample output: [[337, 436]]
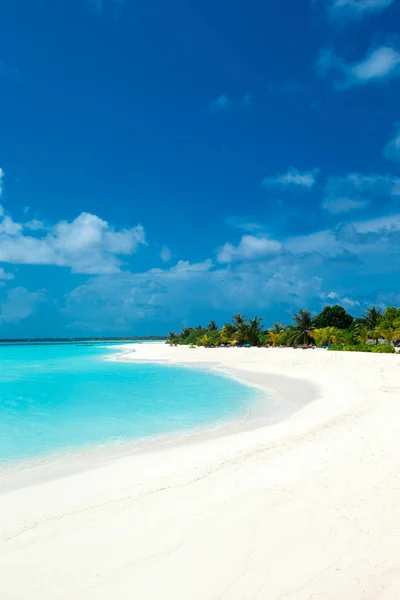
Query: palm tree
[[319, 336], [171, 335], [242, 332], [278, 327], [186, 331], [238, 319], [372, 318], [212, 326], [333, 335], [325, 336], [254, 331], [227, 333], [302, 329], [248, 331], [388, 333], [274, 338], [204, 340], [362, 333]]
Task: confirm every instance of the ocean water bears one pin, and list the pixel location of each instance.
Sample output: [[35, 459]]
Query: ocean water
[[64, 397]]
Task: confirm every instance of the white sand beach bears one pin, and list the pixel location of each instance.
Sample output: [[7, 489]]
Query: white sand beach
[[307, 508]]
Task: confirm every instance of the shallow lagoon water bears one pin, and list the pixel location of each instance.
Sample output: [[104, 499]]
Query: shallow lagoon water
[[56, 397]]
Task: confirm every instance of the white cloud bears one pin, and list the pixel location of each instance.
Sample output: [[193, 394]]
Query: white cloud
[[337, 265], [357, 8], [182, 268], [116, 302], [392, 149], [293, 177], [225, 104], [4, 275], [376, 184], [244, 224], [334, 297], [376, 238], [379, 64], [1, 187], [87, 244], [20, 304], [337, 206], [173, 296], [35, 225], [165, 254], [250, 247], [354, 191], [9, 227], [247, 99], [386, 224], [222, 103]]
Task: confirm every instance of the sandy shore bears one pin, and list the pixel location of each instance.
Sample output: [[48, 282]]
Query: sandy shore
[[308, 508]]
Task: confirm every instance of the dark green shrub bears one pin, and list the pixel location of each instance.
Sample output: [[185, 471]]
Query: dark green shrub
[[384, 349], [357, 348]]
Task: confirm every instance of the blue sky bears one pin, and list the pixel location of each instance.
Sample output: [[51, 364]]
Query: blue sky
[[162, 164]]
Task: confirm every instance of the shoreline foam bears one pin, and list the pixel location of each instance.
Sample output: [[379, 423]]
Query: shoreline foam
[[308, 507]]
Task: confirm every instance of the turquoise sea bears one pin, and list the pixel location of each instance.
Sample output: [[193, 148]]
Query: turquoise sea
[[63, 397]]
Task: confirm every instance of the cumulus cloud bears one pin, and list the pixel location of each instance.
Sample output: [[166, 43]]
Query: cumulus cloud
[[357, 8], [343, 204], [86, 244], [245, 224], [222, 103], [34, 225], [183, 268], [354, 191], [8, 226], [373, 238], [173, 297], [225, 104], [380, 64], [19, 304], [116, 302], [293, 177], [4, 275], [165, 254], [250, 247], [247, 99], [335, 298], [392, 149], [310, 270]]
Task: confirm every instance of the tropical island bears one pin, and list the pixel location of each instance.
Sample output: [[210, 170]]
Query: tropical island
[[333, 328]]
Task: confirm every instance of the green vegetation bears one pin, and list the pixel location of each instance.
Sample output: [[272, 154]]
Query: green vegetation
[[333, 316], [333, 328]]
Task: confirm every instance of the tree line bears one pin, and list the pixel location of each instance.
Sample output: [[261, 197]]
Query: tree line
[[333, 327]]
